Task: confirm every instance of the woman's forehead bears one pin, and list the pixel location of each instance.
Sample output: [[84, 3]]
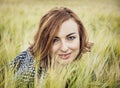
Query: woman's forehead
[[67, 27]]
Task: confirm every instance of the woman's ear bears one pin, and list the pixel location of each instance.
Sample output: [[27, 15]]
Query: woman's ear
[[88, 47]]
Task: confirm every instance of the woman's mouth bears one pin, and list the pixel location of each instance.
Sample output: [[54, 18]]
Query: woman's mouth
[[64, 56]]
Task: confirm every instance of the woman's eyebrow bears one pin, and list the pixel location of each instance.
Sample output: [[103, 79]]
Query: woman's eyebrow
[[71, 34]]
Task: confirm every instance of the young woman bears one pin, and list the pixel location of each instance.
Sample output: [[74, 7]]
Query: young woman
[[61, 37]]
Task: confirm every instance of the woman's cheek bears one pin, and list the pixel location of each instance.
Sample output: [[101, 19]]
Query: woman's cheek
[[75, 44], [55, 49]]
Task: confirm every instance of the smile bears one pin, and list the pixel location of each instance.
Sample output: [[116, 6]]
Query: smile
[[65, 56]]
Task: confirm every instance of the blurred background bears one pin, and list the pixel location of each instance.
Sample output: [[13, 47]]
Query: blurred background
[[19, 20]]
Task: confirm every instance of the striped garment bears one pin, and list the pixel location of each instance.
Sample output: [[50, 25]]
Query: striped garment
[[24, 70], [24, 66]]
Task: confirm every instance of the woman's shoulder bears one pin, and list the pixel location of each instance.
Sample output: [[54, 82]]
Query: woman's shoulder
[[23, 57], [23, 64]]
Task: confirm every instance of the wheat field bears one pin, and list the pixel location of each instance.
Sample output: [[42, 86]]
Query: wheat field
[[100, 68]]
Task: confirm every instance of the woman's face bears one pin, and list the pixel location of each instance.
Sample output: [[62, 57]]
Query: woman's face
[[66, 43]]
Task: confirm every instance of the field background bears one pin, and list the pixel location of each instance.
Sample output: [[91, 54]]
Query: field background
[[19, 20]]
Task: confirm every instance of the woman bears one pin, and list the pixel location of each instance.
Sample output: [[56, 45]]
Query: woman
[[61, 38]]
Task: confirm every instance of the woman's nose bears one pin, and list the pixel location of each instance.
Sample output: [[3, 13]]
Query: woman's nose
[[64, 46]]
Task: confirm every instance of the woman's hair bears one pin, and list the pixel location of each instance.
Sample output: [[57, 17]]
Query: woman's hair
[[49, 26]]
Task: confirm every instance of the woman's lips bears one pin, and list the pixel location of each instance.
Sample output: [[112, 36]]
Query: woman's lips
[[65, 56]]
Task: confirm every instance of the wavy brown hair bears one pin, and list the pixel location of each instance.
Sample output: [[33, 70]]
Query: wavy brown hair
[[48, 28]]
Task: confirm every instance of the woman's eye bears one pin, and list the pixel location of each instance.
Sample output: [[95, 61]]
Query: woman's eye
[[55, 40], [71, 37]]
